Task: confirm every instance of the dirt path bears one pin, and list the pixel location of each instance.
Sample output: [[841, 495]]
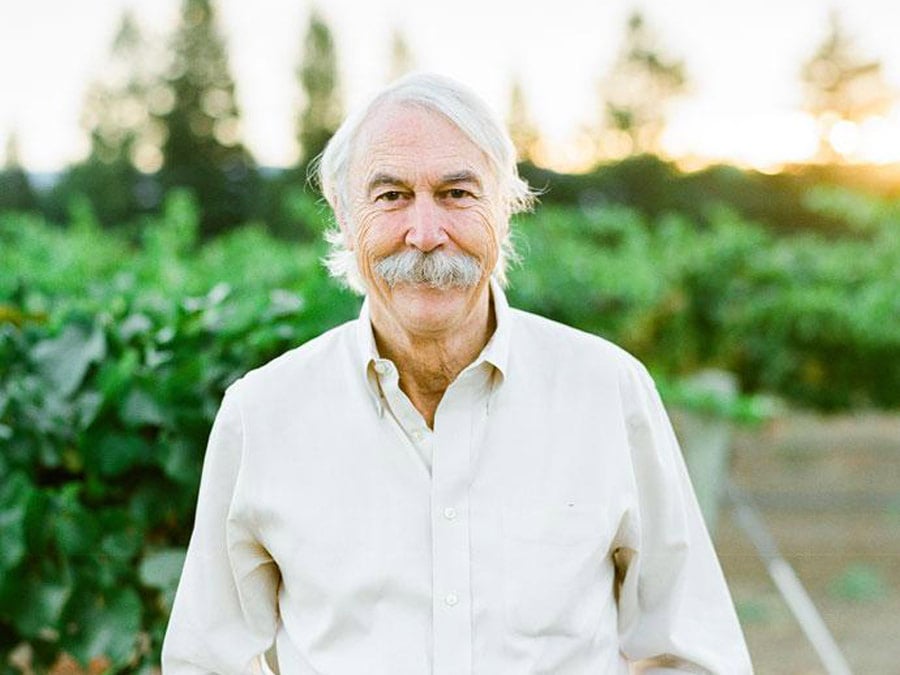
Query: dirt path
[[829, 490]]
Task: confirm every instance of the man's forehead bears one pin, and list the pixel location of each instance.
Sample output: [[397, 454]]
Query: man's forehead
[[403, 120], [396, 136]]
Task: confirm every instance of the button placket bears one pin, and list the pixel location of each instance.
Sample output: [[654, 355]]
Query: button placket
[[452, 615]]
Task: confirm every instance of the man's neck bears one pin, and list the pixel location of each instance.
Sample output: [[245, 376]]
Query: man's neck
[[428, 364]]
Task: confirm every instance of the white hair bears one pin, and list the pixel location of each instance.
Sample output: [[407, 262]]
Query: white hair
[[464, 109]]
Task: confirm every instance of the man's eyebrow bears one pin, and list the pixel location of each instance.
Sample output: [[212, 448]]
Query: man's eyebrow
[[464, 176], [454, 178], [383, 179]]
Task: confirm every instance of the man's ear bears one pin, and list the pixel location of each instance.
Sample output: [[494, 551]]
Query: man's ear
[[340, 215]]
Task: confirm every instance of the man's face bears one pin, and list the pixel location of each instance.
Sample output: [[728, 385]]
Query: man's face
[[421, 194]]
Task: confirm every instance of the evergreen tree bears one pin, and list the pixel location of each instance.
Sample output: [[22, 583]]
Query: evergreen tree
[[522, 129], [125, 138], [16, 193], [117, 111], [202, 149], [639, 88], [841, 87], [317, 74]]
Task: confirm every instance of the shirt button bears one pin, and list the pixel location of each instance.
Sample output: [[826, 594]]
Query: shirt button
[[418, 435], [449, 513], [381, 368], [451, 599]]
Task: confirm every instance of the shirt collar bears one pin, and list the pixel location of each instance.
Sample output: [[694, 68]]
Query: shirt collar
[[495, 352], [367, 355]]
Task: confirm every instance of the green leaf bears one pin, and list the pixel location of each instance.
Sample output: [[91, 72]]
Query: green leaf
[[162, 570], [114, 376], [15, 493], [121, 544], [105, 626], [180, 461], [139, 408], [39, 605], [65, 359], [75, 528], [135, 324], [115, 453], [88, 406], [284, 303]]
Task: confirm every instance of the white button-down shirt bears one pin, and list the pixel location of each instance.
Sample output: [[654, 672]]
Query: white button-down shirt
[[545, 525]]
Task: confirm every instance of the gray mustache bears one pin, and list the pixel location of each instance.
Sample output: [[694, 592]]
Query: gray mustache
[[436, 269]]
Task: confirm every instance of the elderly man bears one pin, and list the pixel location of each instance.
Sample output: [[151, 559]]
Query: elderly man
[[445, 485]]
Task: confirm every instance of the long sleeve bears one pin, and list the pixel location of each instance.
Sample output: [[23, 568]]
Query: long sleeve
[[225, 611], [675, 611]]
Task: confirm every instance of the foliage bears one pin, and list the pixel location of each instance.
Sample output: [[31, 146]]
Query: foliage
[[107, 392], [16, 192], [789, 315], [655, 187]]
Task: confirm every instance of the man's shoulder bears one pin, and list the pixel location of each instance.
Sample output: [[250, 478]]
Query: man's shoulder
[[551, 337], [321, 357], [554, 351]]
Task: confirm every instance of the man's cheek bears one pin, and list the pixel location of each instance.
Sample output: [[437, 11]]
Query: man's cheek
[[487, 239]]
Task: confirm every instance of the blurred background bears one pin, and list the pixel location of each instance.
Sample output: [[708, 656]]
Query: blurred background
[[721, 197]]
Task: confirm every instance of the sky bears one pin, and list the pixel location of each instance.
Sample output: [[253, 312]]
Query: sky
[[742, 58]]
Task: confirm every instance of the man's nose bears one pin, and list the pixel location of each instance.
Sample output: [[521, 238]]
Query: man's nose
[[426, 227]]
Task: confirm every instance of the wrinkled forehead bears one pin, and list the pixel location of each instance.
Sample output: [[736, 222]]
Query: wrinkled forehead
[[412, 136]]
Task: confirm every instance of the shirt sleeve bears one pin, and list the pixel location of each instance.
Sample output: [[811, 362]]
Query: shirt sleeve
[[675, 612], [225, 611]]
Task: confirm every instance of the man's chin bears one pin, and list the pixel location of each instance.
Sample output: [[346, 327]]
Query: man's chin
[[426, 303]]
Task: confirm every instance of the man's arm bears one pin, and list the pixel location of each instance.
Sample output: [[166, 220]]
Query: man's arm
[[225, 611], [675, 611]]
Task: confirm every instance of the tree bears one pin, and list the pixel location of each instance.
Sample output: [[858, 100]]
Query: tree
[[16, 193], [522, 129], [317, 74], [402, 59], [118, 108], [842, 88], [125, 138], [638, 90], [202, 149]]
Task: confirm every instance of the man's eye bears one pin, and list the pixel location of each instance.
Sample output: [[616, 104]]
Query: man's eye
[[390, 195], [458, 193]]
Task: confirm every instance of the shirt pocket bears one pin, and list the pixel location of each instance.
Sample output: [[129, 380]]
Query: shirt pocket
[[557, 576]]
